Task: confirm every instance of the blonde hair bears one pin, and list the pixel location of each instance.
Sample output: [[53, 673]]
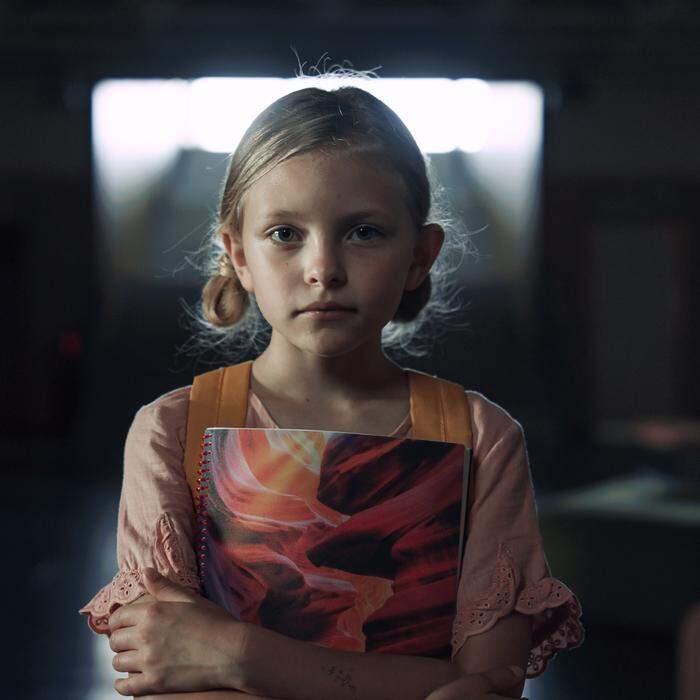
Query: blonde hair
[[346, 119]]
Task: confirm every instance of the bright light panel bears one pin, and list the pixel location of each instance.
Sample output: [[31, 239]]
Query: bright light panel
[[212, 114]]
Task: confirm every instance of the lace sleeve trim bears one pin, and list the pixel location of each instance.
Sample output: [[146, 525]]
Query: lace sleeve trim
[[128, 584], [556, 611]]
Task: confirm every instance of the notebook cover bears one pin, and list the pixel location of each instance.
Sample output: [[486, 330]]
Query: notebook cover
[[350, 541]]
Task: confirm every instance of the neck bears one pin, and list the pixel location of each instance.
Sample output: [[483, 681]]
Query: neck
[[300, 376]]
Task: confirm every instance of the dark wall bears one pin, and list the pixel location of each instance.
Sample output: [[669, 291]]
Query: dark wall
[[614, 332]]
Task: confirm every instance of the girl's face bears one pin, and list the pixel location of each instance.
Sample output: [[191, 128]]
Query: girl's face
[[329, 228]]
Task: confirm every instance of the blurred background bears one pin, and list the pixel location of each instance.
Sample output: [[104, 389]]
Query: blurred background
[[577, 160]]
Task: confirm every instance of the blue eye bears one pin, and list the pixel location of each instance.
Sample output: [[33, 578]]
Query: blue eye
[[370, 228], [359, 228], [282, 228]]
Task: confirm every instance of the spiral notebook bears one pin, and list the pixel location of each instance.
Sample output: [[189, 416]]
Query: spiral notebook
[[350, 541]]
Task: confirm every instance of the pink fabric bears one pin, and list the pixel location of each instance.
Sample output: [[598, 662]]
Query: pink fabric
[[505, 565]]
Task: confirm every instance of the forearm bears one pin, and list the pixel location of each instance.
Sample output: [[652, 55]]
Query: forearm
[[282, 667], [207, 695]]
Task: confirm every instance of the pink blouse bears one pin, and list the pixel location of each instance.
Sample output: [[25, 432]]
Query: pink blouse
[[505, 567]]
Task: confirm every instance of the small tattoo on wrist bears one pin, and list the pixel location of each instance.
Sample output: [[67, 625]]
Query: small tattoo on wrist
[[341, 677]]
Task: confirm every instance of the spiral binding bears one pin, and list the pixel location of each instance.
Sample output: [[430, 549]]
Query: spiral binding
[[201, 505]]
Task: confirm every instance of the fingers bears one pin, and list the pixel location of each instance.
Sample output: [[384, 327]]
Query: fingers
[[127, 662], [122, 640], [125, 615], [119, 618]]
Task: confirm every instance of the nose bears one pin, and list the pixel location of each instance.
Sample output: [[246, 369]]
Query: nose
[[325, 265]]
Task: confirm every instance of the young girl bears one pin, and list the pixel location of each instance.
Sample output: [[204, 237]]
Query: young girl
[[326, 202]]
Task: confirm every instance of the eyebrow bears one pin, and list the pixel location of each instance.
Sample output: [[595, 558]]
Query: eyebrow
[[360, 214]]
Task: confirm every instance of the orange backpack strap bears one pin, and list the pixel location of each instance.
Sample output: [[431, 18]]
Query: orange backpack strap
[[217, 399], [439, 409]]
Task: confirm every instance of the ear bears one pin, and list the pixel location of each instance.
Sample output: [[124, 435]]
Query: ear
[[233, 242], [427, 247]]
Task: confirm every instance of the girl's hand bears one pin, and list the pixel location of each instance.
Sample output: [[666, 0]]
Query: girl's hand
[[480, 686], [177, 641]]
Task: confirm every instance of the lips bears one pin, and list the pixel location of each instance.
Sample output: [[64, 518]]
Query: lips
[[326, 307], [328, 313]]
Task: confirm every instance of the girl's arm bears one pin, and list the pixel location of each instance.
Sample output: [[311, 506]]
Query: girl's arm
[[156, 512], [507, 643], [207, 695], [227, 694], [224, 694], [282, 667]]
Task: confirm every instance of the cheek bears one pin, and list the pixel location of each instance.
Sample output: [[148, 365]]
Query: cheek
[[268, 271], [275, 286], [386, 273]]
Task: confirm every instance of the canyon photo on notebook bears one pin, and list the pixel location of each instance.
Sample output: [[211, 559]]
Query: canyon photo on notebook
[[346, 540]]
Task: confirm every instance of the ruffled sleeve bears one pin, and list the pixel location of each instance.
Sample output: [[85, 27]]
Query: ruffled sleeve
[[505, 567], [156, 515]]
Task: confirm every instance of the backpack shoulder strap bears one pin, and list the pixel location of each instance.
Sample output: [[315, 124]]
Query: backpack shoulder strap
[[218, 398], [439, 409]]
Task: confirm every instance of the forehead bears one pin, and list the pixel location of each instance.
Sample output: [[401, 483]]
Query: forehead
[[314, 183]]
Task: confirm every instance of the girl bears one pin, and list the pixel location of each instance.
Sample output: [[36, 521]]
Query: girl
[[327, 201]]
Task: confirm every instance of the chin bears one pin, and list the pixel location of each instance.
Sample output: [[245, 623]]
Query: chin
[[331, 351], [331, 347]]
